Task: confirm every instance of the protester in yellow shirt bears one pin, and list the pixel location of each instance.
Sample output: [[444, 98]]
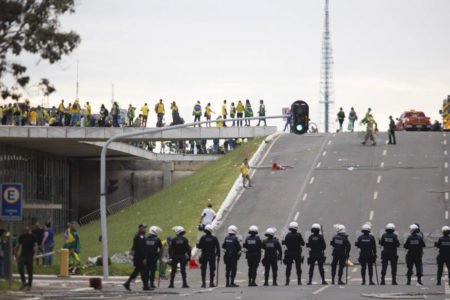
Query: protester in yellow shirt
[[208, 112], [224, 112], [32, 117], [245, 171], [159, 109], [240, 112], [144, 110]]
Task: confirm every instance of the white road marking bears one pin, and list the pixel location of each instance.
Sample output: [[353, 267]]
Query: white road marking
[[312, 180], [305, 196], [445, 152], [318, 165], [329, 143], [445, 142], [446, 179], [445, 134], [382, 164], [446, 165], [371, 215], [296, 216], [379, 179], [324, 153], [446, 196], [375, 195], [334, 134], [384, 152], [387, 142], [446, 214], [321, 289], [354, 270]]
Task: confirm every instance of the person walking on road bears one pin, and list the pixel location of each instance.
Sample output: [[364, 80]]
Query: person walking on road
[[341, 118], [232, 253], [209, 244], [371, 128], [316, 244], [24, 253], [367, 253], [153, 252], [207, 217], [341, 251], [352, 117], [253, 245], [180, 253], [414, 245], [389, 242], [443, 244], [138, 251], [245, 172], [392, 140], [272, 253], [262, 112], [293, 253]]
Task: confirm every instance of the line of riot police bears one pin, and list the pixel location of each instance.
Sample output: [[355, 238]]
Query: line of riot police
[[268, 251]]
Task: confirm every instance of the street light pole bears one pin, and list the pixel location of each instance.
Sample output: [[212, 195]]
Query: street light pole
[[103, 175]]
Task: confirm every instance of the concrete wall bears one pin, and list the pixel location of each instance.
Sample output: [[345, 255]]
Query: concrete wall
[[137, 178]]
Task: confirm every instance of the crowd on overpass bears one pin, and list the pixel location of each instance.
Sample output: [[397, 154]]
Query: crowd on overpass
[[77, 114]]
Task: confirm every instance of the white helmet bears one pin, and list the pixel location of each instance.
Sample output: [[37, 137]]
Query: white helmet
[[315, 226], [445, 229], [413, 227], [390, 226], [293, 225], [209, 228], [178, 230], [253, 228], [270, 231], [154, 230], [340, 229], [232, 229], [366, 227]]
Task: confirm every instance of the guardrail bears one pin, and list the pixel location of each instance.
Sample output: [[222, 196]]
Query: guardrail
[[110, 209]]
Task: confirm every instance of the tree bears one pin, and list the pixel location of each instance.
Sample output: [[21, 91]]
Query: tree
[[31, 26]]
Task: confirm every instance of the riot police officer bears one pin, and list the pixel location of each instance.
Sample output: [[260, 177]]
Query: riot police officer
[[341, 250], [443, 244], [293, 253], [253, 246], [232, 248], [317, 246], [138, 252], [414, 244], [153, 251], [389, 241], [367, 253], [179, 253], [209, 244], [272, 252]]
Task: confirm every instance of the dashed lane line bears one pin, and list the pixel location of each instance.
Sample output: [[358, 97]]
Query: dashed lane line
[[312, 180], [446, 196], [382, 164], [446, 179], [384, 152], [354, 270], [324, 153], [445, 142], [296, 216], [320, 290], [371, 215], [379, 179], [446, 214], [318, 165], [305, 196], [329, 143], [445, 152], [375, 195], [446, 165]]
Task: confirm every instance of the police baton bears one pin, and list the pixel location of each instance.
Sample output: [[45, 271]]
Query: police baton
[[159, 272], [217, 272], [376, 270]]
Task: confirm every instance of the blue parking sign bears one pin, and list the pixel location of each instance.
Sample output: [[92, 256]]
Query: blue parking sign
[[11, 201]]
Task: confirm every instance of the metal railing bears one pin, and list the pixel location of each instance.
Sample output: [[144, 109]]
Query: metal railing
[[110, 209]]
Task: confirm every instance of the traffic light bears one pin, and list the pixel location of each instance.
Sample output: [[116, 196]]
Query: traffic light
[[299, 117], [112, 186]]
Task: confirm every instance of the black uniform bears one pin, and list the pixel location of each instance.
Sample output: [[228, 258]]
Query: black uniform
[[27, 241], [414, 244], [138, 261], [210, 247], [272, 252], [293, 253], [443, 244], [317, 246], [180, 253], [389, 242], [153, 251], [392, 132], [253, 245], [232, 248], [367, 254], [341, 250]]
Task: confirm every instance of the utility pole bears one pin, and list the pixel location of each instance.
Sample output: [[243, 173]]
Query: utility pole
[[327, 70]]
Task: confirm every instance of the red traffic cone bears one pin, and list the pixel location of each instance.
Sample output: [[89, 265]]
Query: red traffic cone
[[193, 264], [276, 166]]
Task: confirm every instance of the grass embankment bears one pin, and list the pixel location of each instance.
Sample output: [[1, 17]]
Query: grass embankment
[[179, 204]]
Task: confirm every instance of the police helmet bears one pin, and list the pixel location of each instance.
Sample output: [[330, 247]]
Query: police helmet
[[445, 229], [209, 228], [178, 230], [340, 228], [270, 231], [154, 230], [390, 226], [366, 227], [232, 229], [413, 227], [253, 229], [293, 225]]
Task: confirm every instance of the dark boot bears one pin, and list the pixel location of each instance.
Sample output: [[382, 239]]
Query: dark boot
[[211, 280], [232, 284], [299, 281], [419, 280], [438, 281], [171, 284], [408, 280], [250, 281], [203, 281], [254, 282], [322, 275], [309, 281], [287, 281], [227, 282], [126, 285], [382, 282], [394, 280], [340, 282], [332, 280], [185, 285]]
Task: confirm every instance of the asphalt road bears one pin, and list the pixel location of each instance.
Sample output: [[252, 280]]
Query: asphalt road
[[334, 179]]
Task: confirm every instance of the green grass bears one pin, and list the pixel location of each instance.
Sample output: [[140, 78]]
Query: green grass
[[15, 285], [179, 204]]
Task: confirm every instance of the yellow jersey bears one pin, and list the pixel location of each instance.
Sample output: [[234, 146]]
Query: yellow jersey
[[240, 107], [144, 110], [244, 169]]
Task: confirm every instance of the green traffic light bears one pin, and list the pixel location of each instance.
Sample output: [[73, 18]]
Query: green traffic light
[[299, 127]]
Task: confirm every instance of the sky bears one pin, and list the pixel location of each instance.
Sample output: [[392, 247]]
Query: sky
[[389, 55]]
